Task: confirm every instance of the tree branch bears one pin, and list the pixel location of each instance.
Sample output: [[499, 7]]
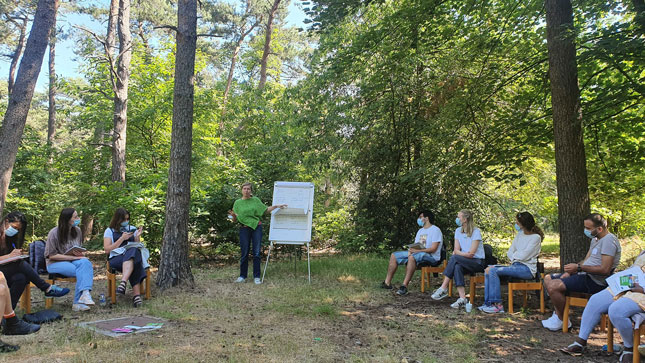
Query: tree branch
[[171, 27]]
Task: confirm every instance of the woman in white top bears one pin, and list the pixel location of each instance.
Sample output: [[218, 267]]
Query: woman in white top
[[467, 257], [123, 258], [523, 255]]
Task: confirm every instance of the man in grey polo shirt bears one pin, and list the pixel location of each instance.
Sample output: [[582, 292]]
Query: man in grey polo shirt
[[587, 276]]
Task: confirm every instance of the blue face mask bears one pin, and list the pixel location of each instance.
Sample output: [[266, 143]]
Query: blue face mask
[[458, 222], [517, 227], [588, 234], [125, 223], [420, 222], [10, 232], [77, 222]]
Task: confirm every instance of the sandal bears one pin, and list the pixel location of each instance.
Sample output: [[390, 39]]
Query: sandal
[[576, 349], [136, 301], [626, 356], [121, 288]]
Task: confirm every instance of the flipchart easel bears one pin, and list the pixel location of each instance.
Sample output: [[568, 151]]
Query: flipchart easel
[[291, 225]]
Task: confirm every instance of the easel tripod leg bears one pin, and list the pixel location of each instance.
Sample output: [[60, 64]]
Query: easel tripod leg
[[266, 264]]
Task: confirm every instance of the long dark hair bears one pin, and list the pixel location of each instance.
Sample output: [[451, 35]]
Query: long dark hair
[[528, 222], [118, 217], [64, 229], [19, 239]]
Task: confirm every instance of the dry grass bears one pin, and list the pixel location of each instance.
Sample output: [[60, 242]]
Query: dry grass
[[341, 316]]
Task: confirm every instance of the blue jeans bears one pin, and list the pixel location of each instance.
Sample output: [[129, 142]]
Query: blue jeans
[[81, 269], [457, 265], [492, 289], [248, 235], [402, 258]]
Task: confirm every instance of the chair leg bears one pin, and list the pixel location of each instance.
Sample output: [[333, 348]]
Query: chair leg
[[603, 323], [526, 298], [450, 288], [49, 301], [472, 289], [423, 280], [542, 309], [565, 315], [637, 342], [112, 287], [25, 299], [610, 335], [147, 284], [510, 298]]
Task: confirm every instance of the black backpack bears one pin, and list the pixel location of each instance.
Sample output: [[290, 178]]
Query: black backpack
[[37, 256], [489, 258]]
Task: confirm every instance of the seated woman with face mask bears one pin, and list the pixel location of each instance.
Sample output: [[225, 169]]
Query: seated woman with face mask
[[19, 273]]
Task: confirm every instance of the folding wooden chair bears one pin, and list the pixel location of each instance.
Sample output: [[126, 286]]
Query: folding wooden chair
[[111, 277], [580, 300], [527, 285], [49, 301]]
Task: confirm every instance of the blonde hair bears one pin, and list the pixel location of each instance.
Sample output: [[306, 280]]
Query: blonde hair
[[469, 226]]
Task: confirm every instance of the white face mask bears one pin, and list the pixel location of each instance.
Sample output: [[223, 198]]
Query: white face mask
[[10, 232]]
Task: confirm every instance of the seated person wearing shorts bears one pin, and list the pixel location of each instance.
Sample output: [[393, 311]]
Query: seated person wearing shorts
[[589, 275], [430, 236]]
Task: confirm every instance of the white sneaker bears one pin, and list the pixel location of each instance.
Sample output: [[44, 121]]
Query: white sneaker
[[439, 294], [257, 280], [80, 307], [240, 279], [459, 303], [554, 323], [86, 298]]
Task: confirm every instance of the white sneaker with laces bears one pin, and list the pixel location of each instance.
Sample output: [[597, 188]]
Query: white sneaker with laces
[[86, 298], [439, 294], [240, 279], [554, 323], [80, 307], [459, 303], [257, 281]]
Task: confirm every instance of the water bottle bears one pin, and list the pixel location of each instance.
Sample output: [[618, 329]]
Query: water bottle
[[102, 300]]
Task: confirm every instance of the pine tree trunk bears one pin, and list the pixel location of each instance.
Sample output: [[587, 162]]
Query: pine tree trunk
[[175, 268], [267, 44], [121, 94], [15, 116], [570, 161], [51, 121], [16, 55]]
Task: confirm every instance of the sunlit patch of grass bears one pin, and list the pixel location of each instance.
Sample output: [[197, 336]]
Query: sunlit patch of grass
[[348, 279]]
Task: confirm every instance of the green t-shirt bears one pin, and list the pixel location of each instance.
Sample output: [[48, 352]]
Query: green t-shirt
[[249, 211]]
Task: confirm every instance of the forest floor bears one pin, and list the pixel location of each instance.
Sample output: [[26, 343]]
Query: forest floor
[[341, 316]]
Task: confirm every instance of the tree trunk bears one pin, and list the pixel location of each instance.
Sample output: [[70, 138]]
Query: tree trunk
[[267, 44], [121, 94], [16, 55], [110, 39], [570, 161], [15, 116], [87, 225], [51, 121], [639, 9], [231, 71], [175, 266]]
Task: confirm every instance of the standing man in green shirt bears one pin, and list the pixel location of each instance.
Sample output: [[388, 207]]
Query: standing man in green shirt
[[248, 210]]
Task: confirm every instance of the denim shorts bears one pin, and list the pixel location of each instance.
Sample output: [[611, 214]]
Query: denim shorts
[[580, 283], [419, 257]]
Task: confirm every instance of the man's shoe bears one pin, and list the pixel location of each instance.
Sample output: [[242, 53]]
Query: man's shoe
[[554, 323], [240, 279], [15, 326], [56, 291], [86, 298], [80, 307], [386, 286], [459, 303], [257, 281], [439, 294], [576, 349], [402, 290]]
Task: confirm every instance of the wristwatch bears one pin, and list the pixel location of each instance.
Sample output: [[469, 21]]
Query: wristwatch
[[579, 268]]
